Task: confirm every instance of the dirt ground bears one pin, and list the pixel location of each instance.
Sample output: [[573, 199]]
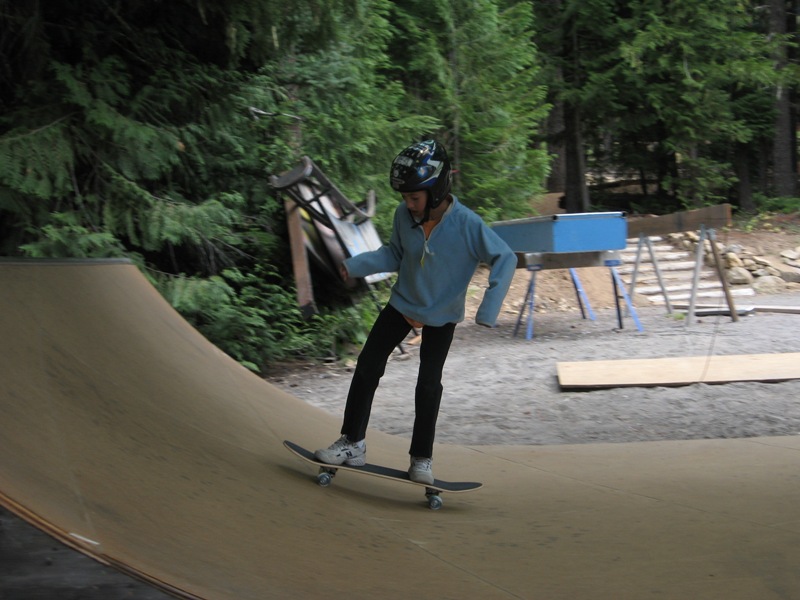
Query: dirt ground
[[501, 389], [554, 290]]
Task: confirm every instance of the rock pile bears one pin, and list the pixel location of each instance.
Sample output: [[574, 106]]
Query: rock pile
[[765, 274]]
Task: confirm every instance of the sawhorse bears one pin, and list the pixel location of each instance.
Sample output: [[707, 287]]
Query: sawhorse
[[539, 261]]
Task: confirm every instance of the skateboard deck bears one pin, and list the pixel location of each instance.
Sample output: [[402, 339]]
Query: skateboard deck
[[432, 491]]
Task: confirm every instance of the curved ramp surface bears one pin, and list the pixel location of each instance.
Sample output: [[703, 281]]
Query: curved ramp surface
[[128, 435]]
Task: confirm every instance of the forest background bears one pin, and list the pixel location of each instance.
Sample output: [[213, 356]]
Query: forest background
[[148, 129]]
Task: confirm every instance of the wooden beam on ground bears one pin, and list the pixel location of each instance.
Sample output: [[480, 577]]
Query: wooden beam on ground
[[786, 309], [683, 370], [722, 311], [690, 220]]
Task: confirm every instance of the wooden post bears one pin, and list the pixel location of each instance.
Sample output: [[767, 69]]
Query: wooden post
[[712, 238], [302, 275], [699, 253], [294, 223]]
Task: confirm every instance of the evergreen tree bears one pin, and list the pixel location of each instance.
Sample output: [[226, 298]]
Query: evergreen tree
[[694, 61], [473, 66], [578, 41], [673, 94], [783, 22], [346, 113], [148, 130]]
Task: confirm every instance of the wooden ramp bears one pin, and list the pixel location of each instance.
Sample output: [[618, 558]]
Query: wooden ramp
[[683, 370], [127, 435]]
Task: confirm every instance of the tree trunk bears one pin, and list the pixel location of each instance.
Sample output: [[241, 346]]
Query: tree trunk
[[745, 189], [783, 149], [556, 179], [576, 193]]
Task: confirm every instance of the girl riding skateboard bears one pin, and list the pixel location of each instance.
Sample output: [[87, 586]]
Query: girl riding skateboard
[[435, 247]]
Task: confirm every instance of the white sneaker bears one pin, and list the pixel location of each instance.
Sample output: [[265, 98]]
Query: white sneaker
[[343, 451], [420, 470]]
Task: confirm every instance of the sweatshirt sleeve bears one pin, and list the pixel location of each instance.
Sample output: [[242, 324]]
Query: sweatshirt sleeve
[[502, 262], [385, 259]]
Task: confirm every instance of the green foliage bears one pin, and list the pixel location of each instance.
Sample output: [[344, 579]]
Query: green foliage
[[473, 66], [709, 67], [65, 237], [342, 332], [770, 216], [256, 320], [350, 115], [674, 95], [780, 205], [149, 129], [38, 162], [126, 136], [249, 315], [502, 104], [692, 58], [702, 181]]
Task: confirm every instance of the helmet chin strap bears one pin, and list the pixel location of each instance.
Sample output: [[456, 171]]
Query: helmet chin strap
[[427, 216], [425, 219]]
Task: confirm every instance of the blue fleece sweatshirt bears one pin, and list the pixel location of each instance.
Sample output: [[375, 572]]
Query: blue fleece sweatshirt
[[433, 274]]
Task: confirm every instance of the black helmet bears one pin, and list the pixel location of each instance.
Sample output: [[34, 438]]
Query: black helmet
[[423, 166]]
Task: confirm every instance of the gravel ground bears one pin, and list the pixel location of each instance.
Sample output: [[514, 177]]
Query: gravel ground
[[501, 389]]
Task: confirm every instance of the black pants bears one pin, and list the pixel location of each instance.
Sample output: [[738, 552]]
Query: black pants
[[389, 330]]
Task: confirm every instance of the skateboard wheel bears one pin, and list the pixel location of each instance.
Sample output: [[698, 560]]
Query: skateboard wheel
[[324, 479], [435, 502]]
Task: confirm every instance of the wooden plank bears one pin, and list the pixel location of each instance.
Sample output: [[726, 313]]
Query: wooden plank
[[786, 309], [302, 274], [722, 312], [690, 220], [682, 370]]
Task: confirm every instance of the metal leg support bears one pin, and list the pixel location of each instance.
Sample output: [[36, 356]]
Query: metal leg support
[[619, 288], [583, 299], [527, 307]]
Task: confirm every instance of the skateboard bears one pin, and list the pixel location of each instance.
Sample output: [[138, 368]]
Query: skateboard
[[432, 492]]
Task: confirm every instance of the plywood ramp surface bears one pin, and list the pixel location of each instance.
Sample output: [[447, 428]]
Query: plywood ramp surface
[[682, 370], [125, 433]]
